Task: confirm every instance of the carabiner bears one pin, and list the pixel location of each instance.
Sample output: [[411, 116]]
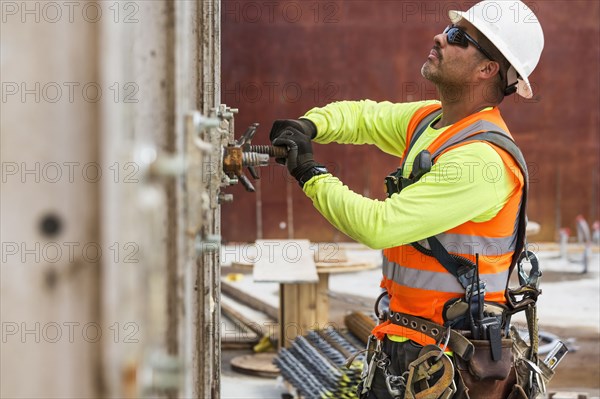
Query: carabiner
[[533, 278]]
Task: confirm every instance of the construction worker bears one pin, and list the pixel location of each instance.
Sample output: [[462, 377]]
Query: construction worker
[[454, 221]]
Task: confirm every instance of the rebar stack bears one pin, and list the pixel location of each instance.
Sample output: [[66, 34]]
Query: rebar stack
[[315, 364]]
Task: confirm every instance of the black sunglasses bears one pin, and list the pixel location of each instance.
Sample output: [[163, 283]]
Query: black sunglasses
[[458, 37]]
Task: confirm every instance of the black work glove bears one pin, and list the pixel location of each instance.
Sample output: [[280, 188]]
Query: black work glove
[[300, 154], [304, 126]]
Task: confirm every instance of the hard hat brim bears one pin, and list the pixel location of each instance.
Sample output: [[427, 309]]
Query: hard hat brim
[[523, 86]]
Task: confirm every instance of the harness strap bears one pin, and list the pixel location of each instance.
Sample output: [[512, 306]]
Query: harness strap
[[510, 147], [441, 254], [463, 273], [421, 127], [459, 343]]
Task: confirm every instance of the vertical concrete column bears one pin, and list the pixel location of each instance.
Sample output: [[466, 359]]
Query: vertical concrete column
[[207, 365], [141, 209], [51, 174]]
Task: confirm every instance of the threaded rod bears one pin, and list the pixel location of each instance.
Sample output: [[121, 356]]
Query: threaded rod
[[272, 151]]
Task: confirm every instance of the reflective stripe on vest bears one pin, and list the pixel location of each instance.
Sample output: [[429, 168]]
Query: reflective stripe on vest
[[438, 281], [479, 126], [469, 244]]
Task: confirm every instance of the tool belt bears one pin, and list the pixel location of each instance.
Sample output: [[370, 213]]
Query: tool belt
[[478, 375], [473, 356], [459, 343]]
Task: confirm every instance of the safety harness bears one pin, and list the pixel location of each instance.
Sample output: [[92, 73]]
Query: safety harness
[[465, 271], [469, 316]]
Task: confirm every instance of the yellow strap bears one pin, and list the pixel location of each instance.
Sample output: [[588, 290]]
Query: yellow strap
[[399, 338]]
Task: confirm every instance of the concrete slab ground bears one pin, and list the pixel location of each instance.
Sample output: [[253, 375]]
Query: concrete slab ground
[[244, 387], [239, 386]]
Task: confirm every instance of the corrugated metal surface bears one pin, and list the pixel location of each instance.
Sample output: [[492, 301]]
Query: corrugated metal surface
[[282, 58]]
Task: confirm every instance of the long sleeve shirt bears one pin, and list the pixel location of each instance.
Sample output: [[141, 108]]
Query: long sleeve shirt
[[467, 183]]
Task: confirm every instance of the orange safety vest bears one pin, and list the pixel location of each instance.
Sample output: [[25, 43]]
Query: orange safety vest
[[418, 284]]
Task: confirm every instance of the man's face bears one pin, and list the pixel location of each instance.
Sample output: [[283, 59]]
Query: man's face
[[451, 65]]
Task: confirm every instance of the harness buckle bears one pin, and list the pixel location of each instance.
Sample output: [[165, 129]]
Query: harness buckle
[[393, 182], [466, 276], [422, 371], [473, 290]]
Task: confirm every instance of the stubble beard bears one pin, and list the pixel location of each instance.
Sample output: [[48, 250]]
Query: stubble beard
[[440, 80], [429, 74]]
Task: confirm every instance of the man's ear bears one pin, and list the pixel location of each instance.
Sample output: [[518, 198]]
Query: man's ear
[[489, 69]]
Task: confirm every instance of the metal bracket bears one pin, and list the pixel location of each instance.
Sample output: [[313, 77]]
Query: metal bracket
[[196, 123], [241, 153]]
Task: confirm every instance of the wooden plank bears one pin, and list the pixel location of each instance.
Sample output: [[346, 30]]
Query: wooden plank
[[322, 267], [249, 300], [303, 307], [285, 261], [345, 267], [289, 294], [237, 344], [282, 341], [322, 301], [235, 335], [328, 252], [236, 316], [259, 364], [306, 307], [567, 395], [237, 267]]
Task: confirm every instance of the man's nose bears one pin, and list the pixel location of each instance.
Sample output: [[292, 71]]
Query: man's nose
[[439, 39]]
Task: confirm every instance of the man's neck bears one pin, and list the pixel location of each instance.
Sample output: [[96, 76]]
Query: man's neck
[[458, 104]]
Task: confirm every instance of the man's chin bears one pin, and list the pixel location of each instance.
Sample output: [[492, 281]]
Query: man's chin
[[426, 70]]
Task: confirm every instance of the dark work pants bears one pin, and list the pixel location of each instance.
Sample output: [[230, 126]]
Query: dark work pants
[[401, 355]]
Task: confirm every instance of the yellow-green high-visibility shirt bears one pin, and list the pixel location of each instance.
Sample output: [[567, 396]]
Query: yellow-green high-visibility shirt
[[467, 183]]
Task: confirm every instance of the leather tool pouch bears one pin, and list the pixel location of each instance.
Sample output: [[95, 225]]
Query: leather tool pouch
[[486, 379], [481, 366], [517, 393], [490, 388]]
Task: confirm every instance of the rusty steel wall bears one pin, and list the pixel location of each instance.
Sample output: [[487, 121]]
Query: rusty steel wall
[[282, 58]]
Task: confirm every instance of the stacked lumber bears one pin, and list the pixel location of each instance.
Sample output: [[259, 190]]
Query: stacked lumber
[[360, 325]]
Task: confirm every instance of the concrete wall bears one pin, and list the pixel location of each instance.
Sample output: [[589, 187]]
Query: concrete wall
[[97, 142], [50, 171]]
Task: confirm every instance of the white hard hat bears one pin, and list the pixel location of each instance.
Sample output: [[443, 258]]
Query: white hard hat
[[515, 31]]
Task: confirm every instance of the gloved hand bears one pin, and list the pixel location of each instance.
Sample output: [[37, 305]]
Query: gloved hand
[[300, 154], [303, 125]]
